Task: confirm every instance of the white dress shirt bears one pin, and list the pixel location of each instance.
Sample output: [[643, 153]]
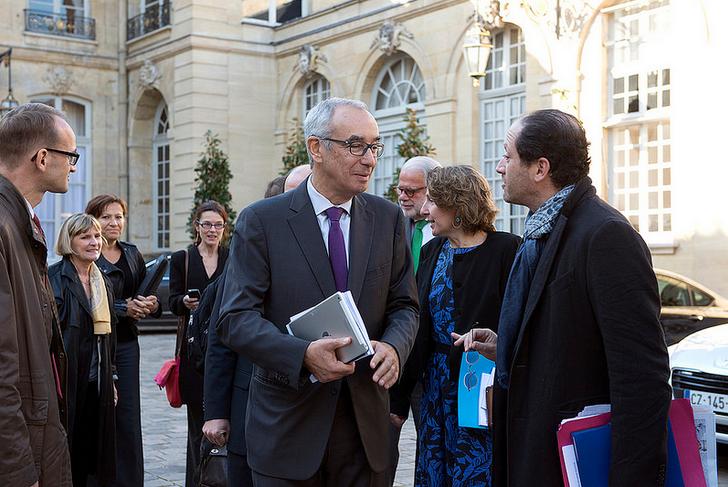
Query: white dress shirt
[[320, 204]]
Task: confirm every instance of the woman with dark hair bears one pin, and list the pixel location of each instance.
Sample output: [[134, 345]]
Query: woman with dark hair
[[462, 276], [84, 300], [191, 271], [124, 265]]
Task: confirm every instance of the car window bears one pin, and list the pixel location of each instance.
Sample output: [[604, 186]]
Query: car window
[[700, 298], [672, 292]]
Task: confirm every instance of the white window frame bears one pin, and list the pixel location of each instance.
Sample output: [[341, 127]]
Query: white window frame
[[391, 122], [510, 218], [84, 145], [316, 90], [161, 141], [643, 52]]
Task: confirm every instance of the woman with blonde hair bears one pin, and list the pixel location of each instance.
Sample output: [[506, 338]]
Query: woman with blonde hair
[[84, 299], [461, 278]]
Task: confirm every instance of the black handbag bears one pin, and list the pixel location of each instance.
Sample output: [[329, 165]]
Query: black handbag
[[213, 465]]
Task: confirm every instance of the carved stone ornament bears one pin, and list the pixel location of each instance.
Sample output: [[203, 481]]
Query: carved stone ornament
[[149, 74], [390, 37], [309, 58], [573, 15], [59, 80]]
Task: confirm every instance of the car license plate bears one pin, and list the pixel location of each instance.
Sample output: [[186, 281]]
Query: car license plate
[[719, 402]]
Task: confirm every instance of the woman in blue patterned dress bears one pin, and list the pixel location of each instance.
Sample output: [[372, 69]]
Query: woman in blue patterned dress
[[461, 278]]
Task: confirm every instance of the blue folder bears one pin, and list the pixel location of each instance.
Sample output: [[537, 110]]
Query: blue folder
[[469, 397], [593, 454]]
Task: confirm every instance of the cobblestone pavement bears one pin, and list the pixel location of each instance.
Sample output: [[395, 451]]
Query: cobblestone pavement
[[164, 428]]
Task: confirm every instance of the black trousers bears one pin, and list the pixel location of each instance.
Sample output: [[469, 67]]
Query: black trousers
[[129, 456], [195, 420], [344, 462], [239, 473], [394, 434], [85, 436]]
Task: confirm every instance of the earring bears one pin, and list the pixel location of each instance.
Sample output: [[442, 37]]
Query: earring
[[458, 221]]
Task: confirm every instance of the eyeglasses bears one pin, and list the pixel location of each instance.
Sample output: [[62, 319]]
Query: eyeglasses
[[358, 148], [209, 225], [470, 380], [410, 192], [72, 156]]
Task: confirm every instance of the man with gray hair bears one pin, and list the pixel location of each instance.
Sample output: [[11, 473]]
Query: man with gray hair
[[288, 254], [412, 191], [37, 155]]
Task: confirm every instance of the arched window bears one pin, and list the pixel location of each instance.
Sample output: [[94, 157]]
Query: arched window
[[502, 101], [55, 208], [398, 86], [160, 178], [315, 91]]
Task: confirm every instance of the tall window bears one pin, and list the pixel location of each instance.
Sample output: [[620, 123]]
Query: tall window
[[160, 178], [502, 101], [55, 208], [398, 86], [638, 121], [315, 91], [68, 8]]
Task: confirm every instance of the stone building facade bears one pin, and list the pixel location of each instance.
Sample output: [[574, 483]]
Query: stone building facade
[[145, 79]]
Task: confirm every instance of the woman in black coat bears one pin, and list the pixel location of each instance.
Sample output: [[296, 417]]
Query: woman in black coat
[[124, 265], [462, 277], [84, 300], [191, 271]]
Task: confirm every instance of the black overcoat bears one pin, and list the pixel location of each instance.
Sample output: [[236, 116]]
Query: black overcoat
[[590, 334], [78, 337]]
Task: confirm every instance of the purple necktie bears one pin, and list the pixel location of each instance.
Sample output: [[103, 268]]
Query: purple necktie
[[337, 249]]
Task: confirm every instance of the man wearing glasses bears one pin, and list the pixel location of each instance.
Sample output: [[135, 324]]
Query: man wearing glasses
[[288, 254], [37, 155], [412, 191]]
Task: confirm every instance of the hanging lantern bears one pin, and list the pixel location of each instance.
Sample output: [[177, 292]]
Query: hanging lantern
[[476, 49]]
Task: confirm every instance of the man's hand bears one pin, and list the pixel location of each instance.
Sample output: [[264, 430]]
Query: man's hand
[[482, 340], [397, 420], [320, 359], [217, 431], [386, 364]]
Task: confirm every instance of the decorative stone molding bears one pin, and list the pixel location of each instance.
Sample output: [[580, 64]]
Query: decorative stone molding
[[58, 79], [570, 19], [390, 37], [149, 74], [309, 58]]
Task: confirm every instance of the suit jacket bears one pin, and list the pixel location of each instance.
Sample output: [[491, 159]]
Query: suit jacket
[[278, 266], [590, 334], [479, 281], [227, 380]]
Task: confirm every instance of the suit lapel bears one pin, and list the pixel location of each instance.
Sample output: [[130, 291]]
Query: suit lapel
[[361, 234], [307, 232]]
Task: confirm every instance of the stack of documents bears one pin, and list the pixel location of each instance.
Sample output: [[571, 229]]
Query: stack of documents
[[585, 448], [335, 317]]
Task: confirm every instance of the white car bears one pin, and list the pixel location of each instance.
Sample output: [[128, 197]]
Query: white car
[[699, 365]]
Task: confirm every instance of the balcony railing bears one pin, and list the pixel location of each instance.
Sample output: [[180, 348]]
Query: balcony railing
[[154, 17], [66, 25]]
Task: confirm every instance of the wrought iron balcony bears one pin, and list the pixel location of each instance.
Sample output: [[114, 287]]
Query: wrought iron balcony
[[66, 25], [154, 17]]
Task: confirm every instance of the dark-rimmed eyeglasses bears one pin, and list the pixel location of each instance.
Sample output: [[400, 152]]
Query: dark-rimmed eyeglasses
[[358, 148], [410, 192], [72, 156], [209, 225]]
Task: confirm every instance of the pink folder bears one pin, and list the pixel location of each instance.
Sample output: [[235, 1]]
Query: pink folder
[[686, 442], [564, 439]]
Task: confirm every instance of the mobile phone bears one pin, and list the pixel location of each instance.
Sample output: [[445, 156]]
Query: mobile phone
[[193, 293]]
